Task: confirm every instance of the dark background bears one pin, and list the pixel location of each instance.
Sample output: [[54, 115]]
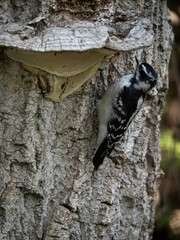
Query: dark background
[[167, 223]]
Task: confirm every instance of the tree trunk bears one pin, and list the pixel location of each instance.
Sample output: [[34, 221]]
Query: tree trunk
[[48, 188]]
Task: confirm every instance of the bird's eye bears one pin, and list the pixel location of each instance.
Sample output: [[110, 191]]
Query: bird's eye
[[140, 68]]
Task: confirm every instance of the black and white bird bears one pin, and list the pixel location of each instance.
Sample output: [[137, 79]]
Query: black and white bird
[[119, 106]]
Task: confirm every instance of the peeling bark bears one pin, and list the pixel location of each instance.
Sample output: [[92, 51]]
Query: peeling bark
[[48, 189]]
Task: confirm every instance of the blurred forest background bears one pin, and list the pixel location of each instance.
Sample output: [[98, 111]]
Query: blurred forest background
[[167, 224]]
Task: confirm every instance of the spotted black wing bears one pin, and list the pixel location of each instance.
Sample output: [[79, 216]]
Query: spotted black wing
[[124, 110], [117, 124]]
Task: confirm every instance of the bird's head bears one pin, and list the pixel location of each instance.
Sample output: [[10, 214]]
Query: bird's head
[[145, 74]]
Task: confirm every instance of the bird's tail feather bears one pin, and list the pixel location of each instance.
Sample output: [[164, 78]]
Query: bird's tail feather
[[100, 154]]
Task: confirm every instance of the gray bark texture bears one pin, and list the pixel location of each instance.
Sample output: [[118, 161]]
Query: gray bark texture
[[48, 188]]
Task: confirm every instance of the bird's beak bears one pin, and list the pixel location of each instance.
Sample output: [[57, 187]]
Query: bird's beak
[[137, 61]]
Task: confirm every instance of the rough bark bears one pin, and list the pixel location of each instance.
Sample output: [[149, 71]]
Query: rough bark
[[48, 188]]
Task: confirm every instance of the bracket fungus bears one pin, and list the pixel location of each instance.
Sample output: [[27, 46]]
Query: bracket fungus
[[65, 57], [68, 69]]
